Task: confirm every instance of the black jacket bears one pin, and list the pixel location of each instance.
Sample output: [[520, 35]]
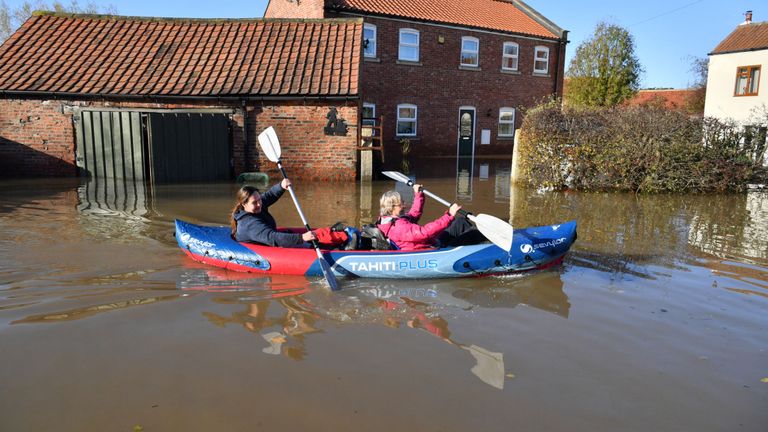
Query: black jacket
[[262, 228]]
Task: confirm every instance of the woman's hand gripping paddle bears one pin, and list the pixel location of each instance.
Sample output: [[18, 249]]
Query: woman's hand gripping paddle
[[270, 145], [494, 229]]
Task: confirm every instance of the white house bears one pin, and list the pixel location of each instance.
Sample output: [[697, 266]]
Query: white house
[[736, 86]]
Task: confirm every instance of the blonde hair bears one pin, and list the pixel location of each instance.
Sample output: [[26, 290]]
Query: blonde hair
[[388, 202]]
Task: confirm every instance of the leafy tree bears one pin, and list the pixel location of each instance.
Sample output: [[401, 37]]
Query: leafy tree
[[11, 19], [605, 70]]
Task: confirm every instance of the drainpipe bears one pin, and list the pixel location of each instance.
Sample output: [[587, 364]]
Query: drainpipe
[[560, 57], [245, 136]]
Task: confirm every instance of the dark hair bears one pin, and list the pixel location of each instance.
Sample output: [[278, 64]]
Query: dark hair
[[242, 196]]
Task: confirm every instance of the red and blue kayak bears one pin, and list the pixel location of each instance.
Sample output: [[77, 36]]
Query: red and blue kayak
[[532, 248]]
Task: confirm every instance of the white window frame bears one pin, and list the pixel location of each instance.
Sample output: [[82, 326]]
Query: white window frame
[[372, 106], [414, 119], [402, 44], [515, 56], [475, 52], [371, 42], [503, 110], [545, 51]]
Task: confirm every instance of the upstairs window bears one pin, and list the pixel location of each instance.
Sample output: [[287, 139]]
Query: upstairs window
[[507, 122], [541, 60], [470, 51], [369, 40], [369, 114], [747, 80], [509, 56], [406, 119], [409, 45]]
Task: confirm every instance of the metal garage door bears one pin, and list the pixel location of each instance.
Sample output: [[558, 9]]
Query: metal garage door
[[159, 147]]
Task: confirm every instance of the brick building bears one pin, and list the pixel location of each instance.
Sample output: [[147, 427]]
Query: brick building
[[451, 76], [177, 99]]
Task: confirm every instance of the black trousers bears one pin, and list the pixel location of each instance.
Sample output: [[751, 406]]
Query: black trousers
[[460, 232]]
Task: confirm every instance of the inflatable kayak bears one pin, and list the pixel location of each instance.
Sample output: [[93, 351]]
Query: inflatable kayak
[[532, 248]]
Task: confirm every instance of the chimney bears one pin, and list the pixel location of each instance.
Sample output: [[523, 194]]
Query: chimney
[[748, 16]]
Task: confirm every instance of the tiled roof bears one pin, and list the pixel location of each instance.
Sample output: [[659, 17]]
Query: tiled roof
[[165, 57], [746, 37], [500, 15], [671, 98]]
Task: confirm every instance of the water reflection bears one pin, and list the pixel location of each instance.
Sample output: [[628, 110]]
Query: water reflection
[[284, 310]]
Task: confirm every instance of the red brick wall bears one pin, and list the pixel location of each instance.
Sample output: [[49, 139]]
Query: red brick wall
[[438, 87], [37, 137], [306, 151], [294, 9]]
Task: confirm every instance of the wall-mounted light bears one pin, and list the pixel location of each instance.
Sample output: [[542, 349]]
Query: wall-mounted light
[[440, 39]]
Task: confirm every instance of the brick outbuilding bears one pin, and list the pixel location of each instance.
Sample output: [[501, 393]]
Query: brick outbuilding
[[178, 99]]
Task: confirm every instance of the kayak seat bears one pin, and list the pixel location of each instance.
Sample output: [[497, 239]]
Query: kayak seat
[[371, 238]]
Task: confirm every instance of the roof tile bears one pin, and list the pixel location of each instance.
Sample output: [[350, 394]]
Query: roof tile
[[746, 37], [128, 56], [499, 15]]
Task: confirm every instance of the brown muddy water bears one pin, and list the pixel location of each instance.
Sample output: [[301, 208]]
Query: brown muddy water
[[656, 321]]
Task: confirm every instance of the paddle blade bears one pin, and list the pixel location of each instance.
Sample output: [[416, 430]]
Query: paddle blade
[[494, 229], [327, 272], [397, 176], [270, 145]]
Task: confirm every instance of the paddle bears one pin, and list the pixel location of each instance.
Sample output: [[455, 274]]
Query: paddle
[[493, 228], [270, 145]]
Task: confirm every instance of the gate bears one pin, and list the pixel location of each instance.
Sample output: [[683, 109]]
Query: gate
[[156, 147]]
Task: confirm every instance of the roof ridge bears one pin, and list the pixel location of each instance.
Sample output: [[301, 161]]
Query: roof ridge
[[187, 19]]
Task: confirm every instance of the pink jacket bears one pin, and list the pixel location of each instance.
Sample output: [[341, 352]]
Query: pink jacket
[[405, 231]]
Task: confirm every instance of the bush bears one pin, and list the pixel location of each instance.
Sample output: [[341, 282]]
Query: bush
[[641, 148]]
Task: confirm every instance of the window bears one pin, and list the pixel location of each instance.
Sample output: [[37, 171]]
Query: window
[[369, 40], [369, 114], [541, 60], [747, 80], [509, 56], [507, 122], [406, 120], [409, 45], [470, 51]]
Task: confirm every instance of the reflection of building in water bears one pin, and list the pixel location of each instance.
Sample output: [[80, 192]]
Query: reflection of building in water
[[464, 178], [111, 196], [502, 183], [482, 174], [744, 232], [115, 207]]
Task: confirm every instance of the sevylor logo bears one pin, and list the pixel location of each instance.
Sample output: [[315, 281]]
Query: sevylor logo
[[528, 248], [186, 238]]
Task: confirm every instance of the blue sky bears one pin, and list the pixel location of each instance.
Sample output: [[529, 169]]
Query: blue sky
[[667, 33]]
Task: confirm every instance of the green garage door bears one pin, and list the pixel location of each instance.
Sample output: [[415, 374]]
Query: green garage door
[[152, 146]]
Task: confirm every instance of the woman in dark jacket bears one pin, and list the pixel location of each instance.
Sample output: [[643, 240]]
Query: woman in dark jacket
[[251, 221]]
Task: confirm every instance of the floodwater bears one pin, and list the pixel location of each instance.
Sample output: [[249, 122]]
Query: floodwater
[[656, 321]]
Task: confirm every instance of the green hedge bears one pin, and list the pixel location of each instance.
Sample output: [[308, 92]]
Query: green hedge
[[645, 149]]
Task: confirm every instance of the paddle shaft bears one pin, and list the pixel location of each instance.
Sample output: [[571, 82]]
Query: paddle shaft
[[323, 264], [296, 203], [440, 200]]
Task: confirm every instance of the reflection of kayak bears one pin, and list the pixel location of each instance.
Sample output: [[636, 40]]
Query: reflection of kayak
[[532, 248]]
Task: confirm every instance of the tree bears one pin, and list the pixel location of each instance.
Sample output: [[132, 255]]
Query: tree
[[700, 69], [605, 70], [11, 19]]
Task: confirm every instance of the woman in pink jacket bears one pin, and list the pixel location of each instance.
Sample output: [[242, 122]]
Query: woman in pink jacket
[[406, 233]]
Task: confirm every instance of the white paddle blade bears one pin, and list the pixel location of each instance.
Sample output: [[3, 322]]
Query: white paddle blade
[[270, 145], [397, 176], [494, 229]]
